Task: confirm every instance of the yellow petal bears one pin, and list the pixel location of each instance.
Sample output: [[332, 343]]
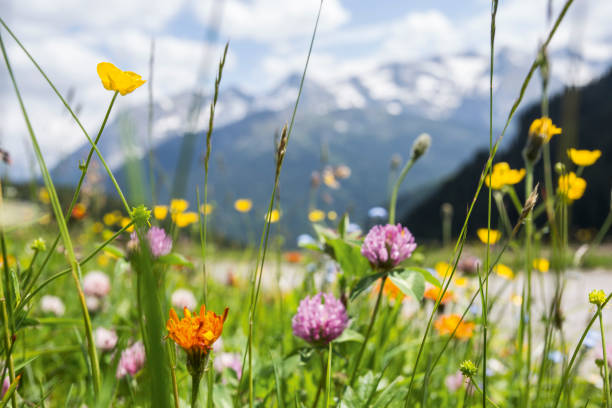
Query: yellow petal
[[243, 205], [178, 205], [273, 216], [504, 271], [492, 235], [160, 212], [583, 157], [114, 79], [316, 216]]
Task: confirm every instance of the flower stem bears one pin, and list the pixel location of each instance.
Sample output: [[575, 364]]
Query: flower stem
[[195, 388], [367, 336], [605, 360], [329, 375], [398, 183]]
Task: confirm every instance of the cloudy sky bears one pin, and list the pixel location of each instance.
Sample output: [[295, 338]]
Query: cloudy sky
[[268, 40]]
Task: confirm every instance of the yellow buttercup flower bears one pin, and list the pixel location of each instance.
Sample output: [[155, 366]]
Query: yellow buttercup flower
[[97, 227], [103, 260], [461, 281], [206, 209], [571, 186], [541, 264], [43, 195], [185, 218], [502, 175], [583, 158], [544, 128], [503, 271], [332, 215], [117, 80], [272, 216], [160, 212], [178, 205], [112, 218], [316, 216], [243, 205], [125, 221], [493, 235], [443, 268]]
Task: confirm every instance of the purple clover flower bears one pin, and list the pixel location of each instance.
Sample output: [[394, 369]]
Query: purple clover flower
[[132, 360], [320, 319], [386, 246], [159, 242]]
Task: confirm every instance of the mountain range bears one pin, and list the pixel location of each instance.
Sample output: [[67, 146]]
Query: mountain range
[[360, 121]]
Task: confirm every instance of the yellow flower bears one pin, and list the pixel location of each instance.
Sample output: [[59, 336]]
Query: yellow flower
[[160, 212], [11, 260], [544, 128], [316, 215], [583, 157], [103, 260], [196, 333], [461, 281], [97, 227], [330, 179], [516, 300], [273, 216], [541, 264], [433, 293], [111, 218], [107, 234], [443, 268], [117, 80], [178, 205], [125, 221], [448, 323], [503, 271], [502, 175], [43, 196], [243, 205], [332, 215], [185, 218], [493, 235], [206, 209], [571, 186]]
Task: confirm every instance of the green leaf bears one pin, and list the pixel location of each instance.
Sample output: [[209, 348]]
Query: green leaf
[[349, 257], [15, 286], [343, 224], [365, 283], [411, 283], [114, 250], [174, 258], [349, 335], [324, 233], [427, 274], [311, 246]]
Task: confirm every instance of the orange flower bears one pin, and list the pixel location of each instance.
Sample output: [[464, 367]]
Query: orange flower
[[447, 324], [433, 293], [79, 211], [293, 257], [390, 290], [196, 333]]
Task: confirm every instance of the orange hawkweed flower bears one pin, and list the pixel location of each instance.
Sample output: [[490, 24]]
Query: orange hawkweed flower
[[196, 333], [390, 290], [434, 292], [79, 211], [447, 324]]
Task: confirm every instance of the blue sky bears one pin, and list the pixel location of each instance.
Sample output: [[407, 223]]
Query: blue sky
[[268, 41]]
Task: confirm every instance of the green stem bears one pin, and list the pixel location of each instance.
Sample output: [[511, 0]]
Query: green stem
[[368, 331], [475, 384], [394, 192], [195, 388], [605, 360], [528, 269], [329, 376]]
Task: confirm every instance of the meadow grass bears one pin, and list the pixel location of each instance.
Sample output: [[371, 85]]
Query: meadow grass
[[361, 318]]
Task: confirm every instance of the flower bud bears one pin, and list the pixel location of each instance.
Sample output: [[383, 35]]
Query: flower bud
[[420, 145], [468, 368], [597, 297]]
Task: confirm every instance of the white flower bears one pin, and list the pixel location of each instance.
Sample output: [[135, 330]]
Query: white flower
[[182, 298], [105, 339], [96, 283], [52, 304]]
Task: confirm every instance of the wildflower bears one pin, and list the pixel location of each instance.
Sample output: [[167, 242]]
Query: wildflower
[[206, 209], [378, 212], [160, 243], [97, 227], [516, 299], [111, 218], [583, 158], [592, 339], [105, 339], [96, 284], [79, 211], [93, 303], [185, 219], [454, 381], [386, 246], [540, 133], [342, 172], [132, 360], [353, 229], [196, 334], [178, 205], [6, 384], [316, 216], [243, 205], [433, 293], [125, 221], [329, 179], [390, 289], [320, 319], [555, 356], [160, 212], [443, 268], [448, 323], [184, 298], [469, 264], [332, 215], [571, 186], [468, 368], [461, 281], [293, 257], [43, 195], [502, 175], [52, 304], [10, 260], [420, 146], [117, 80], [39, 245], [492, 236], [597, 297], [504, 271], [141, 216], [305, 239], [541, 264], [233, 361], [273, 216]]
